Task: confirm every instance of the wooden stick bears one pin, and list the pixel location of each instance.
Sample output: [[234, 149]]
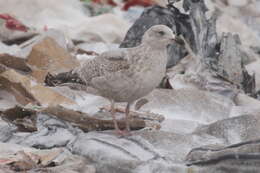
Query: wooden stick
[[88, 123]]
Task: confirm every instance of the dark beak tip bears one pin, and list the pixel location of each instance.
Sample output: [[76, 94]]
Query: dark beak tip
[[179, 41]]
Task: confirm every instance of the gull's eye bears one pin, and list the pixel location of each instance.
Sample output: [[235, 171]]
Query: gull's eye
[[161, 33]]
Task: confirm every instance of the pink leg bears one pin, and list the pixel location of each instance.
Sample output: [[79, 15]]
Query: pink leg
[[127, 111], [127, 116], [118, 131], [127, 131]]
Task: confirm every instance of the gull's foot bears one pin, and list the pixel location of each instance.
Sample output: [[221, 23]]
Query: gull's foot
[[123, 133], [107, 108]]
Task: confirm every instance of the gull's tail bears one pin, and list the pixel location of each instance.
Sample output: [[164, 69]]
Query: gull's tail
[[70, 79]]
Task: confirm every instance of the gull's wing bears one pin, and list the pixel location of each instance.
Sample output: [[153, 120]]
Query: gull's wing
[[120, 83], [120, 54], [104, 64]]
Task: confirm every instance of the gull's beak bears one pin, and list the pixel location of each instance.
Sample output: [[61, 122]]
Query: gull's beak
[[178, 40]]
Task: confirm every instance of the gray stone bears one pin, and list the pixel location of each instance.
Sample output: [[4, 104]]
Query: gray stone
[[51, 133], [153, 151], [6, 130], [241, 157], [189, 104], [233, 130]]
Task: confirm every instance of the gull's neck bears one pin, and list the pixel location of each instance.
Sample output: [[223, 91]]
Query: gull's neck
[[153, 45]]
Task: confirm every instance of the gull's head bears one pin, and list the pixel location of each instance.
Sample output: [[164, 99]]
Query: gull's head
[[160, 36]]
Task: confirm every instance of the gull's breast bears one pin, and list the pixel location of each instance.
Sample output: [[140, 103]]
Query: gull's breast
[[149, 76]]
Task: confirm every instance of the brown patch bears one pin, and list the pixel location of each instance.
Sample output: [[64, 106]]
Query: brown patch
[[24, 119], [14, 62], [27, 91], [48, 56]]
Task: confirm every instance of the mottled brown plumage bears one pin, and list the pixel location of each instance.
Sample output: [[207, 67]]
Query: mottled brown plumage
[[129, 74]]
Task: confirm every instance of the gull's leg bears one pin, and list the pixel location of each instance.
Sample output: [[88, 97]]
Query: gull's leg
[[127, 116], [107, 108], [118, 131]]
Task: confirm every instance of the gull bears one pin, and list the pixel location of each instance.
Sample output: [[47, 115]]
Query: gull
[[127, 74]]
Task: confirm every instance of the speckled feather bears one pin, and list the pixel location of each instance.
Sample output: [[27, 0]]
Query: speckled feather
[[131, 73]]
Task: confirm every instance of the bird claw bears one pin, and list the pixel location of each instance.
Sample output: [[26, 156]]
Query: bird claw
[[106, 108], [123, 133]]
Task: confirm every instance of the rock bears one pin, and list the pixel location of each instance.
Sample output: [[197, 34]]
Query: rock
[[12, 31], [252, 68], [229, 61], [150, 150], [48, 56], [233, 130], [19, 158], [226, 23], [145, 150], [11, 50], [12, 82], [209, 70], [7, 100], [238, 19], [45, 139], [6, 130], [24, 119], [246, 101], [244, 157], [60, 38], [50, 133], [118, 155], [26, 90], [14, 62], [238, 3], [71, 164], [179, 126], [249, 55], [4, 169], [86, 102], [188, 104]]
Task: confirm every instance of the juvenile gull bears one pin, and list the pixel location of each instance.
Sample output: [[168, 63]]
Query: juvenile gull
[[126, 75]]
